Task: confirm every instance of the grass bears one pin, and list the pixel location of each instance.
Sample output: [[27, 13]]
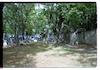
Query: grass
[[24, 56]]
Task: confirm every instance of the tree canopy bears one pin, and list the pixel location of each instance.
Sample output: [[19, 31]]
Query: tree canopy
[[57, 18]]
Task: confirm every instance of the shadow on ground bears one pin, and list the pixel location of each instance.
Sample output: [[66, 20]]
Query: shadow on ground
[[22, 56], [44, 55]]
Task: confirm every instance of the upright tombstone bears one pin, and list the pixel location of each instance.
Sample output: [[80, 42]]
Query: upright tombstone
[[4, 44], [78, 36], [73, 38]]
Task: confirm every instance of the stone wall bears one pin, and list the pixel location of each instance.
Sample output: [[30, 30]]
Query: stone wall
[[88, 37], [91, 37], [82, 37]]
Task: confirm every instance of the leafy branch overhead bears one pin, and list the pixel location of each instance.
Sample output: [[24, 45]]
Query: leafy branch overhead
[[56, 18]]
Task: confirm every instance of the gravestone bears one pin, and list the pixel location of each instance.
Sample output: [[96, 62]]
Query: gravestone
[[73, 38], [5, 44]]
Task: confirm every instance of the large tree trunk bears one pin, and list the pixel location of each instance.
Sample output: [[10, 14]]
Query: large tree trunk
[[23, 33], [58, 28], [17, 38], [18, 29]]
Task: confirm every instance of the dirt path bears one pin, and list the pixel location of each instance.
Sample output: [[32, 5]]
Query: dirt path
[[57, 58]]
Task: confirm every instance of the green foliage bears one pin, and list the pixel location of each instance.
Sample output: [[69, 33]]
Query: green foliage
[[67, 16], [18, 14], [16, 19], [53, 18]]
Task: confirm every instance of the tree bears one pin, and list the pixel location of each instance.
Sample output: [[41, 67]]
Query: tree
[[70, 16], [18, 14], [55, 18]]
